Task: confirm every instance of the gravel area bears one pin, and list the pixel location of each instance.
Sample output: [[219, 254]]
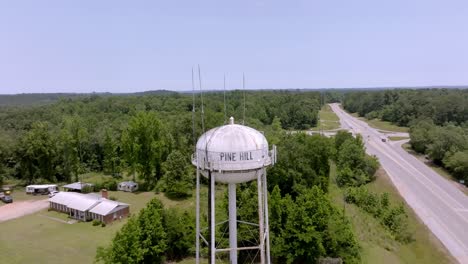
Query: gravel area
[[18, 209]]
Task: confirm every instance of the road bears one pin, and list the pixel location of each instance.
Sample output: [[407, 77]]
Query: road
[[438, 202]]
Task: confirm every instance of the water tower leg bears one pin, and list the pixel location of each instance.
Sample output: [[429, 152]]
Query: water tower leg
[[232, 223], [212, 219], [197, 220], [267, 223], [260, 219]]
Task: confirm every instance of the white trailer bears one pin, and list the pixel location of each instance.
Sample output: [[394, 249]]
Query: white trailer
[[41, 188]]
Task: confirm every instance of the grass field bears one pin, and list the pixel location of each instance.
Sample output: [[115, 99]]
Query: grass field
[[47, 240], [385, 126], [397, 138], [382, 125], [328, 119], [377, 244]]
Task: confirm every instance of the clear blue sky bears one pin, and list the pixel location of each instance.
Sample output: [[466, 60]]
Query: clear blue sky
[[125, 46]]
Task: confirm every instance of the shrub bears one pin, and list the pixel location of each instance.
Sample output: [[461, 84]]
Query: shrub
[[103, 224], [87, 189], [110, 185], [96, 222], [113, 198], [394, 218]]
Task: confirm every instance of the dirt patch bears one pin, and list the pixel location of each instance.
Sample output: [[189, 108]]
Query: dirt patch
[[18, 209]]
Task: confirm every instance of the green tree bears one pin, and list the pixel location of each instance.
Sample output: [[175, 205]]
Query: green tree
[[111, 160], [37, 154], [178, 175], [340, 137], [420, 135], [180, 230], [73, 145], [146, 146], [458, 164], [309, 228], [141, 240]]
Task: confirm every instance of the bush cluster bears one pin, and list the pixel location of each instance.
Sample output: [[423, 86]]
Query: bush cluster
[[394, 218], [110, 185], [153, 236], [354, 167]]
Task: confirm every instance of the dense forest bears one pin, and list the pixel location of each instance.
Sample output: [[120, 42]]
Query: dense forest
[[57, 142], [437, 118], [150, 138]]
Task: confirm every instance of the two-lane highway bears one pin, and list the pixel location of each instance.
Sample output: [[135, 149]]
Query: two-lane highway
[[439, 204]]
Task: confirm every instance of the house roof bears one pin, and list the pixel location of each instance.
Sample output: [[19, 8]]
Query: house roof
[[77, 185], [105, 207], [84, 202], [77, 201]]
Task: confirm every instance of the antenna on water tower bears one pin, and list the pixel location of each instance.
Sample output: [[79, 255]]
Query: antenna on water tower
[[224, 94], [233, 154], [243, 88]]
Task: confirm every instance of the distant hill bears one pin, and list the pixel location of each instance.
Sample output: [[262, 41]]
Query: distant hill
[[36, 98], [47, 98]]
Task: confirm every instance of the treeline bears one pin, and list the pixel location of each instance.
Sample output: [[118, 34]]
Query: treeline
[[445, 145], [133, 134], [438, 121], [403, 107]]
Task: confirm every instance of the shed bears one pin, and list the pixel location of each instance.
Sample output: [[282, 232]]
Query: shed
[[128, 186], [76, 186], [41, 188]]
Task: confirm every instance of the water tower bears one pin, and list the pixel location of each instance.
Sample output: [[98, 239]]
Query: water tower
[[233, 154]]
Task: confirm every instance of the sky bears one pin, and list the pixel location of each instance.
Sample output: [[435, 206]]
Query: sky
[[131, 46]]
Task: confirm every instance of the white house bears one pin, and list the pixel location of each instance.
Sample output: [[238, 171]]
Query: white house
[[41, 188], [85, 207]]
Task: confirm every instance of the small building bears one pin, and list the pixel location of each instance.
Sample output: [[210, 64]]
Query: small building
[[127, 186], [76, 186], [86, 207], [41, 188]]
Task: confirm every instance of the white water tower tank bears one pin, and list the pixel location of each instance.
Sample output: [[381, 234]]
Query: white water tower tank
[[233, 153]]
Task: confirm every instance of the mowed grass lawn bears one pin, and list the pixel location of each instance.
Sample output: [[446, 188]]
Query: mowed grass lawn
[[381, 125], [37, 238], [328, 119], [377, 243]]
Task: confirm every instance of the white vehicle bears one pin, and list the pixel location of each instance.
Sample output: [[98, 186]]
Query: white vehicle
[[52, 194]]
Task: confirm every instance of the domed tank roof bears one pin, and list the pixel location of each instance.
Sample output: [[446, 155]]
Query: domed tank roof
[[232, 138], [232, 148]]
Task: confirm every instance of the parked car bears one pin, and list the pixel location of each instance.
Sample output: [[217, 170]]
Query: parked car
[[52, 194], [7, 199]]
